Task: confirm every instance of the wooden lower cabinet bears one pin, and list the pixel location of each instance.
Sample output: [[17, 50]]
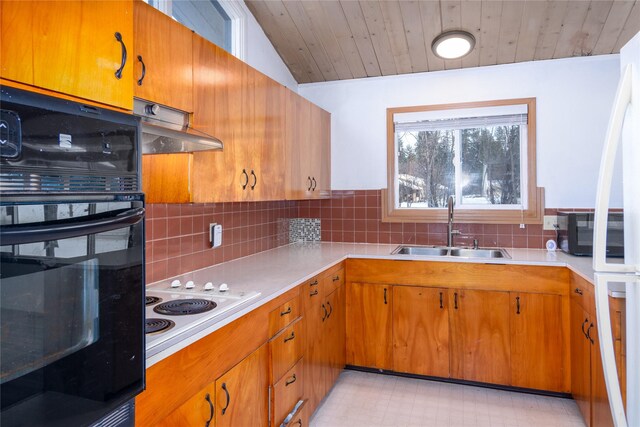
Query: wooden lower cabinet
[[480, 347], [421, 330], [369, 325], [197, 411], [242, 394], [539, 356], [580, 361]]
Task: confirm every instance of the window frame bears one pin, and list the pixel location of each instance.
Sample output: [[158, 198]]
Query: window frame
[[533, 214]]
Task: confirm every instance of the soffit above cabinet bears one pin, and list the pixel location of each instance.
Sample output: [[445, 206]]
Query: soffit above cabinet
[[323, 40]]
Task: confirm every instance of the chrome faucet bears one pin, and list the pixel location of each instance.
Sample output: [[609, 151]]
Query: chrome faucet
[[450, 231]]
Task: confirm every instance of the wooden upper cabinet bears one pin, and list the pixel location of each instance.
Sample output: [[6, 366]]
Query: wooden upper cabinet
[[369, 325], [538, 348], [421, 331], [16, 41], [164, 46], [480, 325], [308, 149], [242, 393], [76, 50]]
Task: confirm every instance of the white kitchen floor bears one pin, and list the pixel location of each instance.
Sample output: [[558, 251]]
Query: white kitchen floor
[[367, 400]]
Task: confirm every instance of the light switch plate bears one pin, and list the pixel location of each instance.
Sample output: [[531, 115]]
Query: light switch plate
[[550, 221]]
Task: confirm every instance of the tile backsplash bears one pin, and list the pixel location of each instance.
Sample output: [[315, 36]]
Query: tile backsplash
[[177, 236]]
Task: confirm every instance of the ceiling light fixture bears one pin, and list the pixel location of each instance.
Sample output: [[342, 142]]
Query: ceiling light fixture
[[453, 44]]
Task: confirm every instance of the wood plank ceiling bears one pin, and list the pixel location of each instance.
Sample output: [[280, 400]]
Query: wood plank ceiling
[[322, 40]]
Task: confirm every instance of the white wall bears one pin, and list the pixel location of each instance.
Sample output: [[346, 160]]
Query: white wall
[[573, 95], [261, 54]]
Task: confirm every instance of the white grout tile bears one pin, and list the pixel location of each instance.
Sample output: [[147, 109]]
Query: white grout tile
[[361, 399]]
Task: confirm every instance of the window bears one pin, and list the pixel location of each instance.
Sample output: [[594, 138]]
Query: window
[[482, 154], [220, 22]]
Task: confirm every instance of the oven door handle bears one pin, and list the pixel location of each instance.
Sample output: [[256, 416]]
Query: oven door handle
[[58, 230]]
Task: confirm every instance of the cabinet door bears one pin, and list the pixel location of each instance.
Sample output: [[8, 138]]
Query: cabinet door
[[197, 411], [76, 52], [421, 331], [314, 358], [335, 337], [320, 152], [165, 47], [298, 182], [601, 411], [480, 327], [369, 333], [537, 342], [16, 41], [580, 361], [242, 393]]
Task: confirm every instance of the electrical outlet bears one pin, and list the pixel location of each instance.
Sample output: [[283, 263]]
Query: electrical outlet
[[550, 221], [215, 234]]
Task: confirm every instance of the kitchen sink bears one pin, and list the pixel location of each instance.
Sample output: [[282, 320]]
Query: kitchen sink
[[445, 251]]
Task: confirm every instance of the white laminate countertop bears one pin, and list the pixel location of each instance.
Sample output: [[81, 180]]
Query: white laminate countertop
[[278, 270]]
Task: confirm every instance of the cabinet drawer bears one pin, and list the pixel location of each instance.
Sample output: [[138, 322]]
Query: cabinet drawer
[[333, 281], [286, 349], [311, 293], [582, 293], [287, 392], [284, 315]]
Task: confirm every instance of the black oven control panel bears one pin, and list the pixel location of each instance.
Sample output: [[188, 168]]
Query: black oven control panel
[[10, 134]]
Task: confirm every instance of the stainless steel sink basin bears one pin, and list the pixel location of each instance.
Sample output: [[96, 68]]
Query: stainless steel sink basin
[[421, 250], [443, 251], [479, 253]]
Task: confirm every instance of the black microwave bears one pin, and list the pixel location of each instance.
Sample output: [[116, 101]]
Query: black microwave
[[575, 233]]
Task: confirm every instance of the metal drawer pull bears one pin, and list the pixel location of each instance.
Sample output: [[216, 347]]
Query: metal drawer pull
[[310, 183], [314, 183], [224, 387], [441, 306], [255, 179], [290, 381], [208, 399], [246, 181], [330, 309], [314, 283], [455, 300], [589, 333], [324, 316], [583, 331], [290, 337], [284, 313], [144, 70], [517, 305], [124, 56], [335, 279], [314, 293], [385, 295], [578, 291]]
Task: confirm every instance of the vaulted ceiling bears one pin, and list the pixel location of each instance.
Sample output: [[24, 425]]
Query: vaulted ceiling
[[322, 40]]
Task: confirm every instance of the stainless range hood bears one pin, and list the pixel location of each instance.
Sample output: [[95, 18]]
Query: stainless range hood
[[166, 130]]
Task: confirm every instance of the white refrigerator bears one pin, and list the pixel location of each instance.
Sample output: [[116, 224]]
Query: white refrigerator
[[623, 133]]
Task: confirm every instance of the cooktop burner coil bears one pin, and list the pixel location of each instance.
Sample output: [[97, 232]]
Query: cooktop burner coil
[[154, 326], [152, 300], [184, 306]]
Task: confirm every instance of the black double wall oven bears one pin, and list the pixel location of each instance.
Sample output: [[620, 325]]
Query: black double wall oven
[[72, 263]]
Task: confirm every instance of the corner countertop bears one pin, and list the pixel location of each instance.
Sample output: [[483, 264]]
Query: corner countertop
[[276, 271]]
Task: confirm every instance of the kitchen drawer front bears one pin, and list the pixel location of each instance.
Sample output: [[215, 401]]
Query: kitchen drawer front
[[286, 349], [582, 293], [287, 392], [312, 293], [333, 281], [284, 315]]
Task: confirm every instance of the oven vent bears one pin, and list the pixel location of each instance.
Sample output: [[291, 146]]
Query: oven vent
[[124, 416], [25, 181]]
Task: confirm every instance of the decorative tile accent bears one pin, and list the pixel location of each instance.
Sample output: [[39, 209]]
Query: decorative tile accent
[[304, 230]]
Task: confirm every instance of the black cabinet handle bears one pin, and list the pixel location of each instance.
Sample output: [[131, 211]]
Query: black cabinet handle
[[578, 291], [224, 387], [287, 311], [314, 293], [517, 305], [288, 382], [298, 422], [310, 183], [124, 56], [330, 309], [144, 70], [583, 331], [290, 337], [246, 181], [385, 295], [455, 300], [589, 333], [208, 399], [441, 306], [335, 279], [314, 283], [314, 183], [255, 179], [324, 316]]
